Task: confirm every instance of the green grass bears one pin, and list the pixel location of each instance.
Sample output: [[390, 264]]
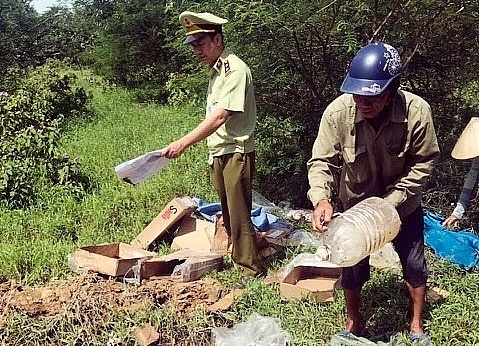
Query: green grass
[[114, 211], [35, 243]]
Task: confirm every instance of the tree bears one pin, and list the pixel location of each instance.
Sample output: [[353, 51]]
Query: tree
[[18, 27], [299, 53], [62, 35]]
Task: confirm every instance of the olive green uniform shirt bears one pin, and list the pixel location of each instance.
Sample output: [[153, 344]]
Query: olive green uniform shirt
[[231, 88], [393, 163]]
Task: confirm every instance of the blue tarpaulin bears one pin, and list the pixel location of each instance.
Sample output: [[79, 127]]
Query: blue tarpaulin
[[261, 220], [460, 247]]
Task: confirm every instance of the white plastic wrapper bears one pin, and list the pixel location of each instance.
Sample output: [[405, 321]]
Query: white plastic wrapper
[[256, 331], [141, 168]]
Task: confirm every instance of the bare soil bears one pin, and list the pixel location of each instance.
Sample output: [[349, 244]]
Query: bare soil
[[183, 298]]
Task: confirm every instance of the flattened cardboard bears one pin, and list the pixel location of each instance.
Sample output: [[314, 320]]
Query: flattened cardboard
[[146, 335], [225, 303], [318, 283], [221, 241], [201, 235], [113, 259], [183, 265], [194, 234], [173, 212]]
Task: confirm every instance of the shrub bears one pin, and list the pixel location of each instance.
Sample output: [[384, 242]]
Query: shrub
[[31, 119]]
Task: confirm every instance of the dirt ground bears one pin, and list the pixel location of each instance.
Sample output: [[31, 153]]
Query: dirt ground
[[182, 298]]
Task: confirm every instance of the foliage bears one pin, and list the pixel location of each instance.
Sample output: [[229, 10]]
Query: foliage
[[34, 245], [132, 44], [18, 25], [62, 35], [31, 121], [111, 211], [29, 39], [299, 53]]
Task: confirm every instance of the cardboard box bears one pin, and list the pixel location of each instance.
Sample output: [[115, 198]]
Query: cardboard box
[[114, 259], [194, 234], [183, 265], [173, 212], [318, 283], [201, 235]]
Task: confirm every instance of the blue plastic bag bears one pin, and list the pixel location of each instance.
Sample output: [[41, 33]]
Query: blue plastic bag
[[461, 247], [262, 220]]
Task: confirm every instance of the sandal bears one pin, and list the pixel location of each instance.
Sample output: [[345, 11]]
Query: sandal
[[420, 339]]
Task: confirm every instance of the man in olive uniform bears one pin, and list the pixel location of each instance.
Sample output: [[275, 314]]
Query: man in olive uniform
[[376, 140], [228, 126]]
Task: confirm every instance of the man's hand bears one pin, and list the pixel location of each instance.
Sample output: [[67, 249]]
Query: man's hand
[[174, 149], [449, 222], [322, 216]]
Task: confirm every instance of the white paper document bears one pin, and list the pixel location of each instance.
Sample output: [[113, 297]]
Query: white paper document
[[141, 168]]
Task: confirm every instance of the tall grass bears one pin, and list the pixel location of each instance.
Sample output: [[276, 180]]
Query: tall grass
[[34, 245], [35, 242]]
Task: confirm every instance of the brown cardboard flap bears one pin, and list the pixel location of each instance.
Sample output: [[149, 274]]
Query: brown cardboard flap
[[297, 292], [318, 283], [171, 214], [183, 265], [159, 267], [302, 273], [194, 234], [146, 335], [113, 259], [226, 302], [221, 240], [190, 224]]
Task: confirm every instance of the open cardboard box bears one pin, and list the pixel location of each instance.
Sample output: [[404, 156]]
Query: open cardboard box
[[171, 214], [118, 259], [201, 235], [114, 259], [183, 265], [318, 283], [194, 234]]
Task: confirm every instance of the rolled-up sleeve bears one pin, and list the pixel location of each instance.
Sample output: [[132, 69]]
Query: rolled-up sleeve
[[324, 163]]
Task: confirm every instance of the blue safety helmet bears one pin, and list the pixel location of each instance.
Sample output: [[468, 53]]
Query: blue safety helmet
[[373, 68]]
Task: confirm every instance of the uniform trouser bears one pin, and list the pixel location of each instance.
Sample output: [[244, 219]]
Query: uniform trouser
[[409, 244], [232, 176]]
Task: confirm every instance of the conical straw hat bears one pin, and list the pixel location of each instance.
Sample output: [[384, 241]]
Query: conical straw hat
[[467, 146]]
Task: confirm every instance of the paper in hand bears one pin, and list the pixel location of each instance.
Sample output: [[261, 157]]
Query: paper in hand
[[141, 168]]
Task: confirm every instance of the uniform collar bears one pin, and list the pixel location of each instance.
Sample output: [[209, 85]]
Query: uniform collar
[[220, 61]]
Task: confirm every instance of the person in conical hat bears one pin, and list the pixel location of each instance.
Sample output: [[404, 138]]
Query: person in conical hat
[[467, 147], [229, 131]]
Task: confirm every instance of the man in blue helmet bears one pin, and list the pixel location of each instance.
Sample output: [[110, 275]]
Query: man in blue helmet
[[376, 140]]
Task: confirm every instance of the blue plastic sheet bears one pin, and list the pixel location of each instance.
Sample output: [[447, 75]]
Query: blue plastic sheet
[[461, 247], [261, 220]]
